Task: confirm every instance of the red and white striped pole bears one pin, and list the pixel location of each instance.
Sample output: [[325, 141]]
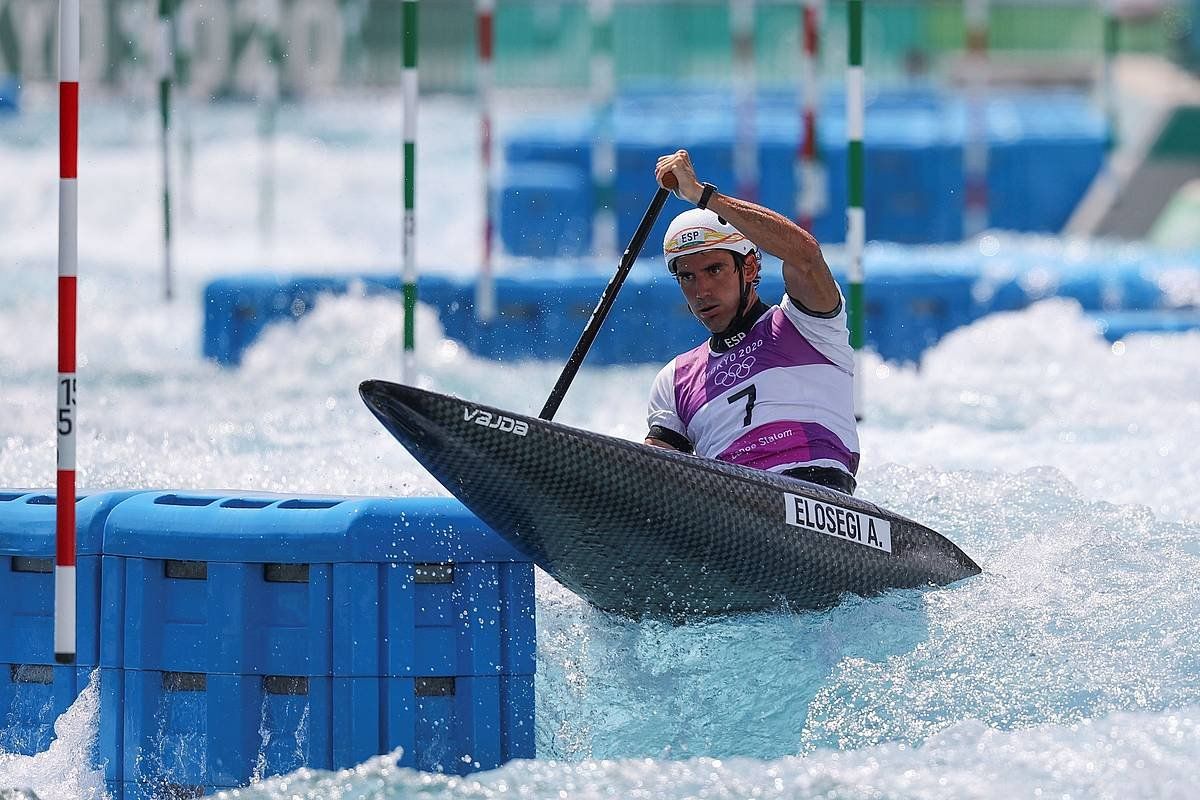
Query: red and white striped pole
[[810, 177], [485, 287], [68, 250]]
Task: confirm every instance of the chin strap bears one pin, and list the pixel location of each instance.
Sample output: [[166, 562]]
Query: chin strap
[[745, 318]]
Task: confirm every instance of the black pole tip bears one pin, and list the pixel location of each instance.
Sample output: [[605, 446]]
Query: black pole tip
[[64, 658]]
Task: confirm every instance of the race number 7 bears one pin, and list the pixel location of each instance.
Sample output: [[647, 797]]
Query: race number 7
[[750, 393]]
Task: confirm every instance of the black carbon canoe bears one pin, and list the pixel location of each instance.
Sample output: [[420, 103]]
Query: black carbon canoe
[[649, 533]]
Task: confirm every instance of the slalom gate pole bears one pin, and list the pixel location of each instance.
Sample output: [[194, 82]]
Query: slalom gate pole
[[485, 287], [409, 360], [164, 57], [68, 261], [604, 306], [856, 224], [810, 174], [185, 40]]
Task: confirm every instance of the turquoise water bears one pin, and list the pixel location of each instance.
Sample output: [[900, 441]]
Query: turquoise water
[[1064, 465]]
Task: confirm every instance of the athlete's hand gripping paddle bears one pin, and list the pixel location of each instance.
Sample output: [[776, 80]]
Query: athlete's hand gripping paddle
[[606, 302]]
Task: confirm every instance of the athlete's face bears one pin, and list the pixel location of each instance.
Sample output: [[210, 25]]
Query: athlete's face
[[709, 281]]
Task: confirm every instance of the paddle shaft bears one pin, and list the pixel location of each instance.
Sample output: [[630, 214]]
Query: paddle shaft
[[604, 306]]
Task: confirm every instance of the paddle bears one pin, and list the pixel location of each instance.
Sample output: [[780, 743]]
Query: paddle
[[606, 302]]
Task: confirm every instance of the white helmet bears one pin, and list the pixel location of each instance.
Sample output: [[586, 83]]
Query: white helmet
[[701, 229]]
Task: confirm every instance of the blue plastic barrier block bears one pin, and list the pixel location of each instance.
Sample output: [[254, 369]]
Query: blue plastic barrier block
[[1103, 287], [538, 316], [110, 743], [1007, 187], [906, 314], [237, 309], [548, 313], [186, 732], [32, 697], [650, 323], [439, 619], [448, 295], [564, 141], [545, 210], [993, 295], [569, 303], [1076, 163], [444, 724], [27, 542], [1138, 291], [914, 166], [1117, 325], [524, 308], [1088, 288], [217, 617], [1045, 148], [911, 191], [268, 584], [172, 734]]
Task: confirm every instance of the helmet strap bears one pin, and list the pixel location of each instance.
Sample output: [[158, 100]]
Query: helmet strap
[[729, 336]]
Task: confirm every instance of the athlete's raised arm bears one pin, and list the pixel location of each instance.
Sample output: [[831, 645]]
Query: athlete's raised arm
[[806, 276]]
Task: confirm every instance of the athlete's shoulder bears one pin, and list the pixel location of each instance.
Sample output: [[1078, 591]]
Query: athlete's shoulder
[[827, 333], [800, 313]]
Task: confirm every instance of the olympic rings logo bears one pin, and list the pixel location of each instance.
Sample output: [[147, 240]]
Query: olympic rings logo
[[735, 372]]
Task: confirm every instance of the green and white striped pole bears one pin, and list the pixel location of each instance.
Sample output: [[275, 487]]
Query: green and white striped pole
[[409, 80], [185, 47], [165, 56], [856, 219]]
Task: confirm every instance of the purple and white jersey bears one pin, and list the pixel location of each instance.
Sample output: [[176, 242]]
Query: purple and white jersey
[[782, 398]]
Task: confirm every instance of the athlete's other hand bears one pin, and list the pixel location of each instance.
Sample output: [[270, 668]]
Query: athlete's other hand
[[676, 173]]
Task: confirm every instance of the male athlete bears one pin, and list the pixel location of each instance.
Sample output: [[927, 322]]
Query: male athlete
[[772, 388]]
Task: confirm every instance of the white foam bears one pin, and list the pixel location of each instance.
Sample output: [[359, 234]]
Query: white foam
[[65, 771]]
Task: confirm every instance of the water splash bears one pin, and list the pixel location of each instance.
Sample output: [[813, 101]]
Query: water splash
[[1130, 756], [65, 771]]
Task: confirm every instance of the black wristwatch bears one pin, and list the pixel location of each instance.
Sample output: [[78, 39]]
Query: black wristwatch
[[706, 195]]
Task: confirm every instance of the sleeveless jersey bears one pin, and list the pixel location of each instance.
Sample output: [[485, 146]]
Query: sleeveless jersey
[[782, 398]]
